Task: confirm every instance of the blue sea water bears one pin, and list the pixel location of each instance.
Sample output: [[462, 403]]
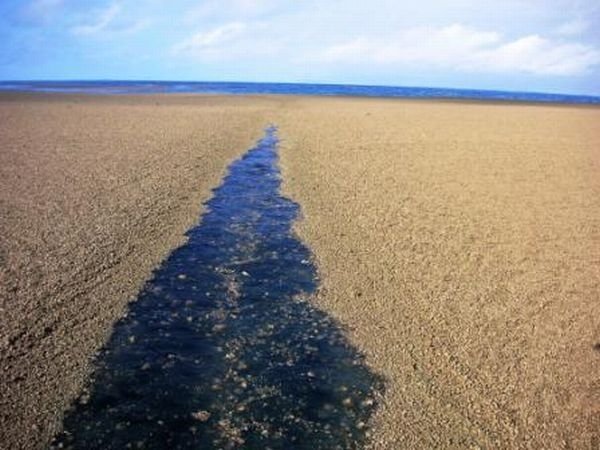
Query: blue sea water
[[203, 87]]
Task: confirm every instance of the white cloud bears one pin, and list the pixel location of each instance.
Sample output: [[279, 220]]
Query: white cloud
[[207, 43], [101, 21], [573, 28], [461, 48], [134, 27], [109, 22], [439, 46], [232, 41], [41, 11], [230, 10], [536, 55]]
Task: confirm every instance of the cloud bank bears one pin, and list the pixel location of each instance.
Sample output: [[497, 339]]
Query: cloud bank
[[457, 47], [512, 44], [99, 23], [205, 43]]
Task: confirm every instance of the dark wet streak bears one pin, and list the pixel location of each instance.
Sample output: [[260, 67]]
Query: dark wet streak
[[222, 348]]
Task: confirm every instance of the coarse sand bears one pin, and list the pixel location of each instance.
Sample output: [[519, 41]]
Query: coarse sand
[[457, 242], [94, 194], [460, 244]]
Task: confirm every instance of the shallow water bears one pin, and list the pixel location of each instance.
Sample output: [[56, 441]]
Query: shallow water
[[178, 87], [222, 348]]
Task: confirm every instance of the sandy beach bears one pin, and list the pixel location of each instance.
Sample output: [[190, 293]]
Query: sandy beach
[[458, 244], [94, 193]]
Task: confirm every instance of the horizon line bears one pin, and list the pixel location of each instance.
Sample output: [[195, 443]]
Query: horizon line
[[305, 83]]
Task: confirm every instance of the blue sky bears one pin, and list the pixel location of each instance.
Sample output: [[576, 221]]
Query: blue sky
[[533, 45]]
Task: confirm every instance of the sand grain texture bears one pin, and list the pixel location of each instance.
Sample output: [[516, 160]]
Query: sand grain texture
[[94, 193], [460, 243]]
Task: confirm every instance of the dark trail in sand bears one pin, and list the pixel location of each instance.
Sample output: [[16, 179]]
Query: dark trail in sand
[[222, 349]]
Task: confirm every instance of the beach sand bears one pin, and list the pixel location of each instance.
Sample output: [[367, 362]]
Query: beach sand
[[94, 194], [458, 243]]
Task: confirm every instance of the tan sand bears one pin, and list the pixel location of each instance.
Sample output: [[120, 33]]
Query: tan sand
[[459, 243], [94, 193]]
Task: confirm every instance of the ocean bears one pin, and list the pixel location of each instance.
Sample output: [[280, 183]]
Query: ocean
[[203, 87]]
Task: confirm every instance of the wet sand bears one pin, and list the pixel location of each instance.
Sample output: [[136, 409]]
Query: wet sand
[[457, 242]]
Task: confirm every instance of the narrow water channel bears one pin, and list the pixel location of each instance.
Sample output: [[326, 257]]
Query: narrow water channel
[[222, 348]]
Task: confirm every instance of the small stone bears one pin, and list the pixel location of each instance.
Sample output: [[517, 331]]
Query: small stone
[[182, 276], [146, 366], [218, 328], [347, 402], [201, 416], [368, 402]]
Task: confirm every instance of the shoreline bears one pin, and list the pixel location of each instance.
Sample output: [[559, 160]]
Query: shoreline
[[466, 101], [454, 241]]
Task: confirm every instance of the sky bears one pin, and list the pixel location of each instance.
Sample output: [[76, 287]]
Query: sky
[[524, 45]]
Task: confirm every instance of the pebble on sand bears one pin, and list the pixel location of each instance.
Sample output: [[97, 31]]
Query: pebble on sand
[[201, 416]]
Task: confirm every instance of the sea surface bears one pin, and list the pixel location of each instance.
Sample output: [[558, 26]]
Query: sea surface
[[202, 87]]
